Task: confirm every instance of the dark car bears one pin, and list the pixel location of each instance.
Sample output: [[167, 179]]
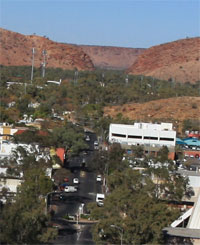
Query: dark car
[[66, 179], [62, 186]]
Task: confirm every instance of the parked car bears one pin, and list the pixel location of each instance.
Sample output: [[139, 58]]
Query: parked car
[[70, 189], [76, 181], [62, 186], [96, 145], [87, 138], [66, 179], [99, 179]]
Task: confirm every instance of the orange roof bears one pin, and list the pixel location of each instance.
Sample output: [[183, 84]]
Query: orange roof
[[20, 131], [60, 152]]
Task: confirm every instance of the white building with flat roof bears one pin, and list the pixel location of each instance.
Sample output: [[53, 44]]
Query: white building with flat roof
[[156, 135]]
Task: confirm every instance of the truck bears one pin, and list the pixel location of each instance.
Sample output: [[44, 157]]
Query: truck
[[70, 189], [100, 199]]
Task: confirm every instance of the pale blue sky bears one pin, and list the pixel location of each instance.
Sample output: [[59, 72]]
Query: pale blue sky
[[125, 23]]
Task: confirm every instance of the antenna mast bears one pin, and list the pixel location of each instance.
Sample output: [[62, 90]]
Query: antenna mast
[[33, 52], [44, 53]]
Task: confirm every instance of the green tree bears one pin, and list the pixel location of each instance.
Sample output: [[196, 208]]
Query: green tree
[[169, 185], [69, 137], [138, 151], [25, 221], [115, 156], [163, 154], [99, 162]]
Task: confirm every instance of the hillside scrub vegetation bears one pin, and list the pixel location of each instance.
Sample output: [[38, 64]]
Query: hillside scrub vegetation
[[86, 93]]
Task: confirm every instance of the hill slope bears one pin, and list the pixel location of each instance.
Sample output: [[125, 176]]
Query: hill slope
[[172, 109], [112, 57], [179, 60], [16, 50]]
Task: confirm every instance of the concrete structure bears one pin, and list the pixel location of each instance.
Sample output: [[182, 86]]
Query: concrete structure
[[151, 136], [189, 234], [11, 184], [8, 187], [6, 131]]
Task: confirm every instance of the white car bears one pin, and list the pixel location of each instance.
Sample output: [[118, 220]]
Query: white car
[[76, 181], [87, 138], [70, 189], [99, 179], [96, 145]]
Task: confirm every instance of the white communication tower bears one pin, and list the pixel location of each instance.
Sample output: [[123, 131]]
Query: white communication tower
[[33, 52], [44, 53]]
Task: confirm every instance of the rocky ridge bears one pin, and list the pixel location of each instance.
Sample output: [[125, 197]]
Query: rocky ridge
[[177, 61], [16, 50]]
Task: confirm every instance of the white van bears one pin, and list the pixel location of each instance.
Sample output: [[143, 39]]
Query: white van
[[100, 199]]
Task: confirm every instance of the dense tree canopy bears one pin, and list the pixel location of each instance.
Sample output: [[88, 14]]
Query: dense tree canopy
[[132, 206], [24, 221]]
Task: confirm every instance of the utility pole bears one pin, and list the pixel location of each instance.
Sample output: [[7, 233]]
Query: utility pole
[[33, 52], [126, 79], [75, 76]]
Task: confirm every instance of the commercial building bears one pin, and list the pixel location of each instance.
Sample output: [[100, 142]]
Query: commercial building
[[151, 136]]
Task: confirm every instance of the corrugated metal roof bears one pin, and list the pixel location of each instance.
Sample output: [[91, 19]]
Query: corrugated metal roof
[[192, 141], [182, 232]]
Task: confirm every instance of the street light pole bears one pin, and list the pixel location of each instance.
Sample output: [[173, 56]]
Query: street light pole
[[47, 195], [120, 233]]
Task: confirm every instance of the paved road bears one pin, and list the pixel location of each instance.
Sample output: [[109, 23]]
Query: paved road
[[71, 233], [87, 189]]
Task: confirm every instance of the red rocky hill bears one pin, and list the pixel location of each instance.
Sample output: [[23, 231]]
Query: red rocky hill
[[16, 50], [179, 60]]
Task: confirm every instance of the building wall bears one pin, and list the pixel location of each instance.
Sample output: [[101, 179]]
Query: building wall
[[9, 183], [6, 130], [147, 134]]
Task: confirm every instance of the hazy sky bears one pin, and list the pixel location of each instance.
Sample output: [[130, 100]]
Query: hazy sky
[[125, 23]]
